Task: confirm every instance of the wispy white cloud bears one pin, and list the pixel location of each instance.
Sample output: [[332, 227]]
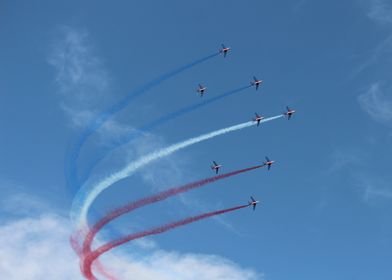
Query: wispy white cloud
[[377, 103], [83, 82], [372, 192], [353, 163], [21, 204], [372, 188], [299, 5], [80, 75], [37, 248], [16, 202], [380, 11], [373, 57], [341, 159]]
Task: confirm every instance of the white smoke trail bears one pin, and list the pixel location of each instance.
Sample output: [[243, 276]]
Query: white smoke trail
[[86, 195]]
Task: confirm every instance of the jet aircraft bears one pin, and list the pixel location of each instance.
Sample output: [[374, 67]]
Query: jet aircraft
[[258, 119], [224, 50], [256, 82], [215, 166], [289, 112], [253, 203], [201, 89]]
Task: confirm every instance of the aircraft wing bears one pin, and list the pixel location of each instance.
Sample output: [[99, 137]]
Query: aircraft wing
[[269, 167], [254, 207], [254, 200], [267, 158], [214, 162], [216, 170]]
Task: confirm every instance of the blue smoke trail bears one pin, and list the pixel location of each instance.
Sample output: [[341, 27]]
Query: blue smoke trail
[[150, 126], [73, 154]]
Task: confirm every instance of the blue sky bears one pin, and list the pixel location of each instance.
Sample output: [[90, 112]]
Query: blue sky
[[326, 203]]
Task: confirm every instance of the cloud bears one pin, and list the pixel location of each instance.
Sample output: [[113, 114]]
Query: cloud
[[21, 204], [343, 158], [37, 248], [80, 73], [377, 103], [380, 11], [373, 188], [16, 202], [376, 100], [80, 76], [373, 192], [299, 5], [376, 56], [165, 265]]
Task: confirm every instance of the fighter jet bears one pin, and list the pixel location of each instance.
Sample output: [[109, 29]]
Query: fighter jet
[[201, 89], [253, 203], [289, 112], [268, 162], [215, 166], [224, 50], [257, 119], [256, 82]]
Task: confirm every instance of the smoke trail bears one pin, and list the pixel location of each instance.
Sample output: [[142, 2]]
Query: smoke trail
[[91, 257], [148, 127], [153, 199], [97, 264], [71, 169], [86, 195]]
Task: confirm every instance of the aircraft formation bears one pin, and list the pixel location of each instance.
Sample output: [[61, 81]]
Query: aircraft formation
[[257, 119], [82, 242]]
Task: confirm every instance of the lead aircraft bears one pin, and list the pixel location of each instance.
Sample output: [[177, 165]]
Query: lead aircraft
[[289, 112]]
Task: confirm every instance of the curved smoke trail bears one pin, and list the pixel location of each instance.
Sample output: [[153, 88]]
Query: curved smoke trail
[[86, 195], [153, 199], [71, 167], [92, 256], [97, 264], [153, 124]]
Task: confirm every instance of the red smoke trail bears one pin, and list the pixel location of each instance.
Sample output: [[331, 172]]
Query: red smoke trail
[[90, 258], [152, 199], [142, 202], [99, 267]]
